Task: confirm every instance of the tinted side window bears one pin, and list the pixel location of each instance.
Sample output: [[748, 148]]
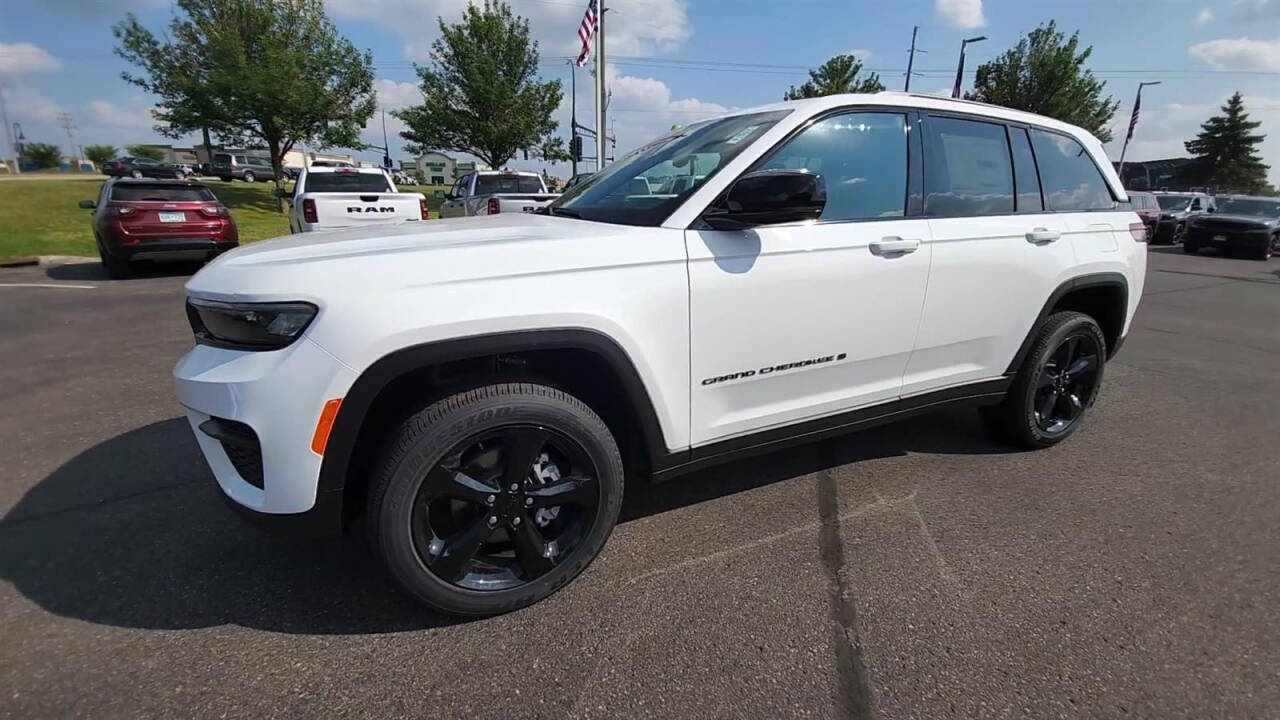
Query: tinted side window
[[1025, 180], [967, 170], [862, 158], [1071, 180]]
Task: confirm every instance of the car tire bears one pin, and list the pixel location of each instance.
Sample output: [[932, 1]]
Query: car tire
[[436, 477], [1043, 407], [1179, 235], [248, 177], [1264, 252], [115, 268]]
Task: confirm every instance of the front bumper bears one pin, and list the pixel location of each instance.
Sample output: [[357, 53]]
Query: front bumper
[[278, 396], [1250, 239]]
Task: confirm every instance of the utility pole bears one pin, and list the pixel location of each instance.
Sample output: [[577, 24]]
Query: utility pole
[[911, 57], [65, 121], [8, 132], [955, 90], [1133, 123], [386, 148], [573, 117], [602, 95]]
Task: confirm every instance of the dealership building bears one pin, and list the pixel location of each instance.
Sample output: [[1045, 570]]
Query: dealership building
[[436, 168]]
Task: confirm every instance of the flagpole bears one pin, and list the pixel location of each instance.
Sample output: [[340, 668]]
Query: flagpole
[[600, 91], [1133, 123]]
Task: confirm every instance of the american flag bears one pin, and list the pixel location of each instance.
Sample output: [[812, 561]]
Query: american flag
[[587, 31], [1133, 121]]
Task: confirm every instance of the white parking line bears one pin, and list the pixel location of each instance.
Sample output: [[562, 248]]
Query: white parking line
[[50, 285]]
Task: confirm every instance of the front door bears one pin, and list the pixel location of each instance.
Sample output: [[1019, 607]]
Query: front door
[[792, 322]]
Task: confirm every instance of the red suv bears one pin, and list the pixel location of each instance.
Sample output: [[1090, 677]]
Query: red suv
[[158, 220]]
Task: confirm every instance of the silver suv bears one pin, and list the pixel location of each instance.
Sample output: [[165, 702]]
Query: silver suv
[[250, 168]]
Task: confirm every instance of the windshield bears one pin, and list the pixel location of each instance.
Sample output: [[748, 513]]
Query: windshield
[[644, 187], [1173, 202], [490, 184], [1249, 206], [350, 182]]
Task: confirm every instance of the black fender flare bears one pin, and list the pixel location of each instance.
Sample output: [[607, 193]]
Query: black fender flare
[[355, 405], [1114, 279]]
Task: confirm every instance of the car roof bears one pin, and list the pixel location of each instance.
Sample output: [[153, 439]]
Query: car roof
[[526, 173], [156, 181], [344, 169], [1233, 196]]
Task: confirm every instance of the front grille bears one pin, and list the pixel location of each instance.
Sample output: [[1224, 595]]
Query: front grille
[[241, 445]]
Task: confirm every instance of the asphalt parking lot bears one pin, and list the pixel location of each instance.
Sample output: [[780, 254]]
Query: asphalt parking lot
[[916, 570]]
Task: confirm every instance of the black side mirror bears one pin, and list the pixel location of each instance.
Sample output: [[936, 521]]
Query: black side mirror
[[88, 204], [769, 197]]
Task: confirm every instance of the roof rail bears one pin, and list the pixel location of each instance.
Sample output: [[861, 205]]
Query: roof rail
[[927, 96]]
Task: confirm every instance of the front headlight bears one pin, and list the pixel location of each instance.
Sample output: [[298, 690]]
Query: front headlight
[[248, 326]]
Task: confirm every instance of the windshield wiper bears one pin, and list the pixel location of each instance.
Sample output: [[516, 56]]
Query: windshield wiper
[[566, 213]]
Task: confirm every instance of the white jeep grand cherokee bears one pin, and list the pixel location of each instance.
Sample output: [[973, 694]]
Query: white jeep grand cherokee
[[474, 388]]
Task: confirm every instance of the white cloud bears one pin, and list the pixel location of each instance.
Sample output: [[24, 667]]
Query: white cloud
[[964, 14], [640, 27], [394, 95], [1204, 16], [1238, 54], [861, 53], [133, 115], [23, 58]]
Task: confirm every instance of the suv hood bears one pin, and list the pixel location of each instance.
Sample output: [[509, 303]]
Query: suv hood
[[1242, 221], [307, 265]]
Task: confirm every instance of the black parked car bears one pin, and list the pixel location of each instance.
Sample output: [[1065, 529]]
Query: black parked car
[[136, 167], [1175, 209], [1242, 224]]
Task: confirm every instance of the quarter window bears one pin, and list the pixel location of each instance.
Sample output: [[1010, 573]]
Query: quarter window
[[862, 158], [967, 169], [1071, 179]]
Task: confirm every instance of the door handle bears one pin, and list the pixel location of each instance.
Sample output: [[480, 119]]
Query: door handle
[[1041, 236], [894, 245]]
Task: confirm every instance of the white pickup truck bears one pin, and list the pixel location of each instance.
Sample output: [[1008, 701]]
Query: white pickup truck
[[328, 198], [495, 191]]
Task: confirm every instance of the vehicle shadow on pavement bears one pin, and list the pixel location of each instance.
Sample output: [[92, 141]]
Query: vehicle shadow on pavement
[[955, 431], [131, 533], [93, 271]]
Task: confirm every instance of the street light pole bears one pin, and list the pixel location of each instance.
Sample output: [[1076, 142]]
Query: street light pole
[[602, 94], [955, 90], [1133, 123]]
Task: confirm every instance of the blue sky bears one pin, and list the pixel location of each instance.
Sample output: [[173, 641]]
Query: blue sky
[[678, 60]]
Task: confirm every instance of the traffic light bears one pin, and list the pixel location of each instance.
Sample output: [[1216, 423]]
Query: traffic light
[[575, 147]]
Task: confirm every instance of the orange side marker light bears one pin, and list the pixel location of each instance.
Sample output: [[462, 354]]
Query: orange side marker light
[[325, 425]]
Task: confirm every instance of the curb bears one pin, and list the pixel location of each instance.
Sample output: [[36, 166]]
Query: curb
[[46, 261]]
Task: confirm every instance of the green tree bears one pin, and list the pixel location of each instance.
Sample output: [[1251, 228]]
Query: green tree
[[481, 92], [1044, 73], [837, 75], [100, 154], [42, 155], [1225, 152], [551, 149], [256, 73], [146, 152]]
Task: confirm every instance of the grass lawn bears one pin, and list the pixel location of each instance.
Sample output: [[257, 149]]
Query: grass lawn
[[40, 217]]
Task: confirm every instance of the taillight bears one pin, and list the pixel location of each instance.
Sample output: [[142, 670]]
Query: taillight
[[422, 207], [214, 211], [1138, 231], [124, 211], [494, 207], [309, 211]]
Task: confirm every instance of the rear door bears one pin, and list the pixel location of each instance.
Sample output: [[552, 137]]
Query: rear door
[[797, 321], [1074, 188], [997, 253]]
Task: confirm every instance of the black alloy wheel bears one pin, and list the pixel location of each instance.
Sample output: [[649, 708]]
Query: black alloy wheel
[[1179, 234], [503, 508], [1056, 384], [494, 498], [1066, 383]]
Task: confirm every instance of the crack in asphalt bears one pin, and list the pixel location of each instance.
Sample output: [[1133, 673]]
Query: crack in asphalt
[[854, 693]]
